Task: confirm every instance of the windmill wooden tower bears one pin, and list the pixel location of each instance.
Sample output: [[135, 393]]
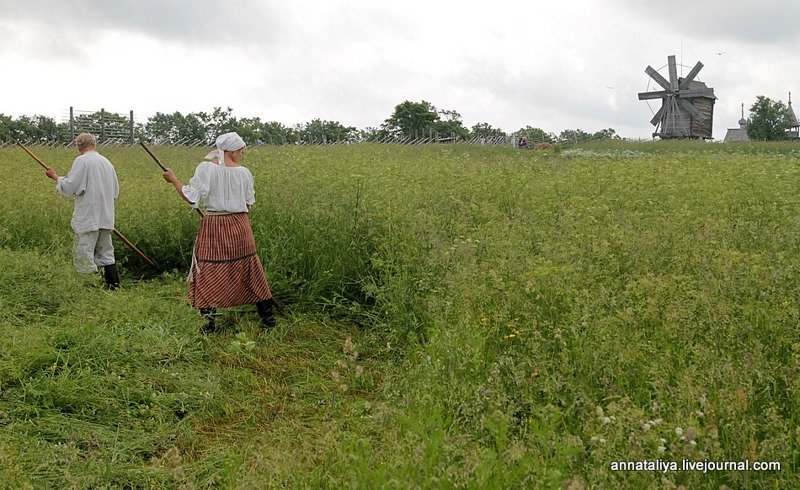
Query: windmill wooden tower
[[687, 105]]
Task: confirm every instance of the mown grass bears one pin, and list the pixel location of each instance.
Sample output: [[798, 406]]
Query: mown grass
[[457, 316]]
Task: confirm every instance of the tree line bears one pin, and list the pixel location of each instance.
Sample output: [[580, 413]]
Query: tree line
[[409, 120], [771, 120]]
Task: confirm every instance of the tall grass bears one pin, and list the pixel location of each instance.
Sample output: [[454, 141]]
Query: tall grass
[[457, 316]]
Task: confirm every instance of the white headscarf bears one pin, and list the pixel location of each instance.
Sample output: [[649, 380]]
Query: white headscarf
[[226, 142]]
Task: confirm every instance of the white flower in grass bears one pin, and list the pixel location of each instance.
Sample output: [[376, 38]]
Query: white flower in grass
[[678, 431]]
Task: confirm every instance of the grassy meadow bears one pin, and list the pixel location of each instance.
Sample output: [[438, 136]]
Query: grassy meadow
[[454, 316]]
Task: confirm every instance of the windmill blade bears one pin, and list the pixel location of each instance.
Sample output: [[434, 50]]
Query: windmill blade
[[686, 81], [654, 95], [668, 119], [657, 117], [673, 72], [658, 78], [691, 109], [703, 92]]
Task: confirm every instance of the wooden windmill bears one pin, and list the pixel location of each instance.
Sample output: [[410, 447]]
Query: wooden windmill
[[687, 105]]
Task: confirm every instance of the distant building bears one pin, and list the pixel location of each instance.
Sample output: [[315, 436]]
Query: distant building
[[793, 129], [740, 133]]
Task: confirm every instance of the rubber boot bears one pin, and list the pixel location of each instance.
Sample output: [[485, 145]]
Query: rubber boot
[[267, 315], [209, 314], [111, 276]]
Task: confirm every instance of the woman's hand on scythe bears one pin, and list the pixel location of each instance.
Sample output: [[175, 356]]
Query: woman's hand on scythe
[[50, 173]]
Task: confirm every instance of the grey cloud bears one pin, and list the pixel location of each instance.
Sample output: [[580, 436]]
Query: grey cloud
[[187, 21], [763, 22]]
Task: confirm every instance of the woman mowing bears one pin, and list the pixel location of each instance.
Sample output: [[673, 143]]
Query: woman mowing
[[226, 270]]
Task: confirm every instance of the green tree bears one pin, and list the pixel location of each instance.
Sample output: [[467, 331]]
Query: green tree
[[768, 120], [11, 130], [35, 129], [605, 134], [485, 130], [573, 136], [275, 133], [218, 122], [174, 128], [321, 131], [448, 125], [371, 134], [535, 135], [411, 119], [43, 129]]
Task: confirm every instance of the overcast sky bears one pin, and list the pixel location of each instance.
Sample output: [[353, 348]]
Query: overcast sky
[[554, 65]]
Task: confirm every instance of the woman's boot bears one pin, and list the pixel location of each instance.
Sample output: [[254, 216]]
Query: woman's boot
[[267, 315]]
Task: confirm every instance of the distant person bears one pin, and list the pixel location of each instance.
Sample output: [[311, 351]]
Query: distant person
[[92, 182], [226, 270]]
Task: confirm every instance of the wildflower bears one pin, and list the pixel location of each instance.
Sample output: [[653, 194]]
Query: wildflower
[[678, 431], [349, 348], [172, 457], [606, 420]]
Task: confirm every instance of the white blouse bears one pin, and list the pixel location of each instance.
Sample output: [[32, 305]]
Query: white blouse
[[221, 189], [93, 183]]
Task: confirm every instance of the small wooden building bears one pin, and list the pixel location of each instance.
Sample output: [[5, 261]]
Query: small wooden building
[[740, 133]]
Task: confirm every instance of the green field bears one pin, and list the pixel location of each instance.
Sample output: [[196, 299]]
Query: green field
[[454, 316]]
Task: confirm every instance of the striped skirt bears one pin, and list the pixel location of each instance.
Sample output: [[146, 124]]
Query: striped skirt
[[226, 270]]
